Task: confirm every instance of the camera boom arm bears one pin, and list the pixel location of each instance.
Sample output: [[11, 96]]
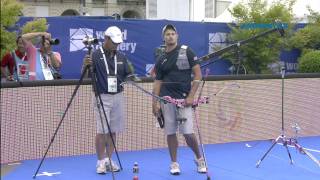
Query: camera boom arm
[[235, 45]]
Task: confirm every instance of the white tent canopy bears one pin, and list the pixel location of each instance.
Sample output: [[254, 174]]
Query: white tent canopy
[[300, 10]]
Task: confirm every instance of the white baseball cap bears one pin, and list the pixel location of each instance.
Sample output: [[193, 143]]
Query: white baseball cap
[[114, 33]]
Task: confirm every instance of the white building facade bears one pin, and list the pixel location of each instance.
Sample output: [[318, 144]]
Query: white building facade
[[124, 8], [186, 10]]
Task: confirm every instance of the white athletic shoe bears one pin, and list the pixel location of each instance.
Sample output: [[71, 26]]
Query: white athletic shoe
[[174, 168], [201, 165], [101, 167], [111, 165]]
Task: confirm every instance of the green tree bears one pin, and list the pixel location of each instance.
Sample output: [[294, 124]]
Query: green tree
[[310, 62], [307, 40], [314, 16], [258, 54], [37, 25], [10, 11]]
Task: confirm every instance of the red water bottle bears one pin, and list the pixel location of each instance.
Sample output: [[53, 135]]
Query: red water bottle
[[135, 171]]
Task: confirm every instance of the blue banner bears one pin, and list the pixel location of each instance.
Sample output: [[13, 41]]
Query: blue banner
[[141, 37]]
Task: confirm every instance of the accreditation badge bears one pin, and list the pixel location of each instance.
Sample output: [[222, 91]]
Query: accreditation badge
[[23, 71], [47, 74], [112, 84]]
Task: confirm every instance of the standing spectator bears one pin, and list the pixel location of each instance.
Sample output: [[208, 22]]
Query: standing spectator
[[8, 61]]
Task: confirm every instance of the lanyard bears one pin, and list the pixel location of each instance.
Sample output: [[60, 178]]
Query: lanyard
[[45, 59], [45, 68], [106, 63], [24, 56], [16, 55]]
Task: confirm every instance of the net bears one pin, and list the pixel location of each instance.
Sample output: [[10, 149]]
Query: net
[[239, 110]]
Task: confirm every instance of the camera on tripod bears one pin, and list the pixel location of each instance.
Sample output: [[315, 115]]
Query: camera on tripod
[[90, 41], [52, 41]]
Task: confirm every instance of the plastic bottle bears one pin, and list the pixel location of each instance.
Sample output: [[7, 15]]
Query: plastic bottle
[[135, 171]]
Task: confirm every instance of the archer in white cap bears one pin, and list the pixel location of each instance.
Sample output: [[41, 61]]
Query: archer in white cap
[[111, 67]]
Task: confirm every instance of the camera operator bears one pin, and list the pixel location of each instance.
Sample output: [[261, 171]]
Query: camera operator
[[44, 64], [111, 68]]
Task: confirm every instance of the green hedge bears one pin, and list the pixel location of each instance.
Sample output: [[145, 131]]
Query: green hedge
[[310, 62]]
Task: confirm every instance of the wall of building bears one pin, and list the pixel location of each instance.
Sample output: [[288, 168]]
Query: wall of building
[[38, 8]]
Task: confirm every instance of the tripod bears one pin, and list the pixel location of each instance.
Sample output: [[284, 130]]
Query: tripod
[[237, 65], [282, 139], [294, 142], [99, 105]]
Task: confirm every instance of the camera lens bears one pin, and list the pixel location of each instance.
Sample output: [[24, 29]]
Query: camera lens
[[54, 41]]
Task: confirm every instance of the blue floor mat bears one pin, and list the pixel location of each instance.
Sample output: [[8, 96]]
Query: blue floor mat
[[229, 161]]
